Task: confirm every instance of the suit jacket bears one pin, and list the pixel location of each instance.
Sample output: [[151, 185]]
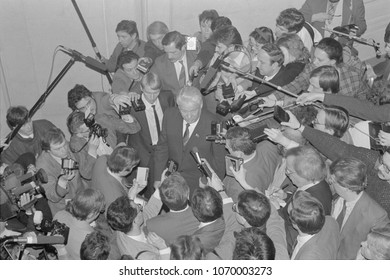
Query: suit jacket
[[366, 214], [171, 225], [322, 192], [165, 69], [211, 235], [170, 146], [354, 16], [142, 140], [323, 245]]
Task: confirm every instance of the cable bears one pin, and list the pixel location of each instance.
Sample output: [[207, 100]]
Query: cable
[[52, 65]]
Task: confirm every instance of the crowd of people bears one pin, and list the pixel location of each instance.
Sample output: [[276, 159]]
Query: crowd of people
[[315, 186]]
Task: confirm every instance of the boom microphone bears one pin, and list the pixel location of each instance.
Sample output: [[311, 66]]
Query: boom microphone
[[87, 60], [211, 72], [40, 239]]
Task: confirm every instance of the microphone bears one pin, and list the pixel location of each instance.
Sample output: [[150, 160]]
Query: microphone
[[201, 166], [211, 72], [87, 60], [40, 239]]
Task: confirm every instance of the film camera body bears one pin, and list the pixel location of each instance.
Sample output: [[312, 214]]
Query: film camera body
[[138, 105], [95, 128]]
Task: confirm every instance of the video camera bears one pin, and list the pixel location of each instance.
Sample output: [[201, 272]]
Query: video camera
[[95, 128]]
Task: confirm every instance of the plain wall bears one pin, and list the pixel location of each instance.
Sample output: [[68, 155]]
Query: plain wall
[[30, 30]]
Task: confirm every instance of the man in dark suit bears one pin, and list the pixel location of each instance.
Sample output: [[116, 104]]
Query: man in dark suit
[[355, 211], [180, 220], [306, 170], [319, 236], [173, 67], [184, 128], [150, 119]]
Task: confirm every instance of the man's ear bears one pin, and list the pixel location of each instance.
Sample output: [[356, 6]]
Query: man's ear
[[184, 47]]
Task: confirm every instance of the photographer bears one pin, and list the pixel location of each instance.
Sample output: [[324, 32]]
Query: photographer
[[63, 181]]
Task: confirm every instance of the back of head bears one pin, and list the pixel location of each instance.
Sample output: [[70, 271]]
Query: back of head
[[175, 37], [206, 204], [151, 80], [208, 15], [336, 118], [85, 204], [17, 115], [157, 28], [308, 163], [307, 213], [53, 136], [120, 214], [174, 192], [186, 247], [227, 35], [220, 22], [263, 35], [76, 94], [328, 78], [275, 53], [74, 121], [254, 207], [350, 173], [253, 244], [291, 19], [96, 246], [122, 158], [128, 26], [332, 48], [379, 242], [294, 45], [191, 95], [240, 140], [126, 57]]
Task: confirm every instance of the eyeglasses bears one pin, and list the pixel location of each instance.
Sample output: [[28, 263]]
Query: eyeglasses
[[86, 105], [381, 163]]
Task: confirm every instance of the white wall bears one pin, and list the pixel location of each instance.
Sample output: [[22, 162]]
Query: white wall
[[31, 29]]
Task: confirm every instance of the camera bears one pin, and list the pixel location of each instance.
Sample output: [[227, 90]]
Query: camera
[[124, 110], [223, 108], [69, 164], [227, 91], [233, 161], [138, 105], [144, 64], [95, 128], [280, 115]]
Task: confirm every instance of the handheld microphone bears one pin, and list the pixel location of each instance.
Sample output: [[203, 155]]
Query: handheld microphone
[[40, 239], [201, 166]]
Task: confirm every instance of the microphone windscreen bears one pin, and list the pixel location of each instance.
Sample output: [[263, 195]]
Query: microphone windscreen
[[195, 150]]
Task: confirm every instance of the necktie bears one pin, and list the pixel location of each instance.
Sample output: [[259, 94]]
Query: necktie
[[331, 10], [341, 216], [186, 136], [182, 76], [157, 120]]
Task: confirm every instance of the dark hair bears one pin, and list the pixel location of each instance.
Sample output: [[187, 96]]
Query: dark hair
[[186, 247], [308, 163], [53, 136], [125, 58], [96, 246], [175, 37], [76, 94], [208, 15], [254, 207], [387, 34], [220, 22], [240, 140], [16, 116], [128, 26], [332, 48], [262, 35], [206, 204], [253, 244], [275, 53], [294, 45], [122, 158], [227, 35], [291, 19], [350, 173], [174, 192], [74, 121], [305, 114], [86, 202], [336, 118], [120, 214], [328, 78], [307, 212]]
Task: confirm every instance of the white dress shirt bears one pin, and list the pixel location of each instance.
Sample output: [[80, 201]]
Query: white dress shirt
[[178, 66], [338, 207], [151, 120]]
